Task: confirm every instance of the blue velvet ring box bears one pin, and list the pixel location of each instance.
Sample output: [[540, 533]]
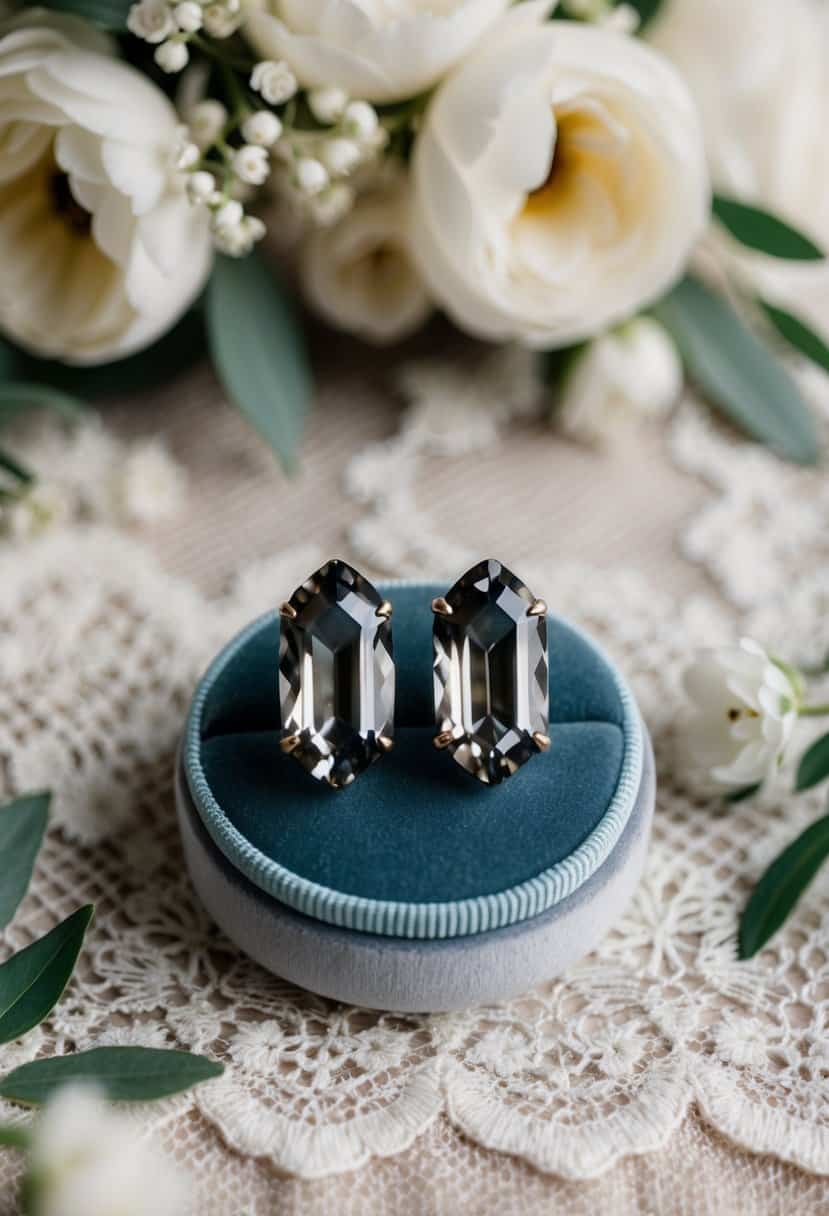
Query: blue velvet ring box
[[417, 888]]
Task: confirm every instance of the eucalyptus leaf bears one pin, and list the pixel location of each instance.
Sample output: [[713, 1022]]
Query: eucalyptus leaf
[[16, 470], [22, 824], [17, 396], [15, 1137], [106, 14], [127, 1074], [258, 350], [781, 886], [647, 10], [32, 981], [747, 791], [767, 233], [740, 376], [814, 766], [798, 334]]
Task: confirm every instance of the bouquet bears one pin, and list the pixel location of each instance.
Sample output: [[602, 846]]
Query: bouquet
[[541, 174]]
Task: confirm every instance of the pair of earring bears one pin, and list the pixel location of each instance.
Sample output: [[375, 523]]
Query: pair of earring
[[337, 675]]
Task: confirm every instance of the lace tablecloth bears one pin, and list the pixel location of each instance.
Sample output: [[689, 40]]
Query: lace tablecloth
[[659, 1075]]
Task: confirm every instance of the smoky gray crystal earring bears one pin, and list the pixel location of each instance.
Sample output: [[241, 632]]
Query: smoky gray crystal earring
[[490, 672], [336, 674]]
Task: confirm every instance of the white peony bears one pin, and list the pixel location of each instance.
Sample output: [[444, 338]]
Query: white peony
[[624, 376], [743, 711], [559, 181], [101, 250], [87, 1160], [381, 50], [758, 71], [359, 274]]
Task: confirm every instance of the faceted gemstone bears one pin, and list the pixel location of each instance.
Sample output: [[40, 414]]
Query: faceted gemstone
[[490, 672], [336, 674]]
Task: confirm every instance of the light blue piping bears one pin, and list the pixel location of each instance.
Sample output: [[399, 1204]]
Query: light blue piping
[[457, 918]]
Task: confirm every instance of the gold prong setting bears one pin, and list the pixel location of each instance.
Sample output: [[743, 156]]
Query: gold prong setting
[[541, 741], [287, 611], [537, 608], [384, 610], [441, 607]]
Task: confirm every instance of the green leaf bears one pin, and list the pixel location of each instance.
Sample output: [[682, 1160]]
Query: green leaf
[[258, 350], [22, 824], [814, 766], [16, 396], [748, 791], [647, 10], [106, 14], [798, 334], [128, 1074], [760, 230], [32, 981], [15, 469], [781, 886], [15, 1137], [740, 376]]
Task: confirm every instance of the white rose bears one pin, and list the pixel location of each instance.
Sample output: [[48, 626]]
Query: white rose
[[559, 182], [759, 73], [87, 1160], [100, 248], [624, 376], [382, 50], [743, 711], [360, 275]]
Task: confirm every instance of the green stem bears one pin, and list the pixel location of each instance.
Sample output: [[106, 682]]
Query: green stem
[[814, 711], [208, 47]]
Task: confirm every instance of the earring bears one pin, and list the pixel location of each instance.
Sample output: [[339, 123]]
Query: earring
[[336, 674], [490, 672]]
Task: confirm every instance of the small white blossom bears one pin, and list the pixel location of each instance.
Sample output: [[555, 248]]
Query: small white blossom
[[340, 156], [201, 186], [262, 128], [229, 215], [360, 120], [250, 164], [274, 80], [188, 154], [236, 240], [331, 205], [188, 15], [151, 20], [172, 56], [152, 486], [206, 121], [88, 1160], [221, 20], [742, 714], [328, 104], [311, 175]]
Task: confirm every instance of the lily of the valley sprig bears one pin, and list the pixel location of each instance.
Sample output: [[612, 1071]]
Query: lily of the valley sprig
[[744, 706]]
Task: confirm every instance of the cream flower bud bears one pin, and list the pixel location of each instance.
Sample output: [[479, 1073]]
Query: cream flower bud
[[206, 121], [340, 156], [274, 80], [263, 128], [229, 215], [172, 56], [250, 164], [188, 155], [188, 16], [200, 186], [220, 20], [311, 175], [151, 20], [328, 104], [360, 120]]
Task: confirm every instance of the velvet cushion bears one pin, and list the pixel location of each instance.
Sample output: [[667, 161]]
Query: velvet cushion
[[414, 828]]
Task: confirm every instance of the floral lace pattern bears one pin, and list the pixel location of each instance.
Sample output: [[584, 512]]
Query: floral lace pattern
[[99, 650]]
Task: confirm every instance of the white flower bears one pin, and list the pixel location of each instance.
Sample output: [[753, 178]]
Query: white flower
[[206, 121], [188, 15], [340, 156], [360, 275], [151, 20], [200, 186], [229, 215], [274, 80], [250, 164], [87, 1160], [238, 239], [311, 175], [743, 711], [758, 71], [172, 56], [625, 375], [330, 206], [559, 182], [101, 251], [188, 156], [152, 486], [328, 104], [262, 128], [381, 51], [360, 120], [221, 20]]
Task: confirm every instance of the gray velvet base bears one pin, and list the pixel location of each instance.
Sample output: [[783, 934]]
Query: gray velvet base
[[416, 976]]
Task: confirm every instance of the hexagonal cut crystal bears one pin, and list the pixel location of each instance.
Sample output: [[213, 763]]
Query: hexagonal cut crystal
[[491, 673], [336, 675]]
